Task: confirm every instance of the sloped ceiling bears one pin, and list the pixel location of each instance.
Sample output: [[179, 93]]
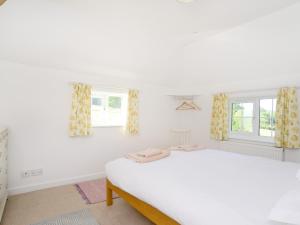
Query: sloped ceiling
[[143, 38]]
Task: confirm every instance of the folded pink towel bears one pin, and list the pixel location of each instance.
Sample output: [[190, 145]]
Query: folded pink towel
[[140, 159], [186, 148], [149, 152]]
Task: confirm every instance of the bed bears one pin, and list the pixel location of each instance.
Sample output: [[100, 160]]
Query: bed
[[205, 187]]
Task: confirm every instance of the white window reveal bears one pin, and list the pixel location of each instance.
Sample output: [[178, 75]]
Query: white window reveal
[[108, 109], [253, 118]]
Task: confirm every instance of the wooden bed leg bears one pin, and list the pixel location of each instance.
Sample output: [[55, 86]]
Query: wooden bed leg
[[109, 198]]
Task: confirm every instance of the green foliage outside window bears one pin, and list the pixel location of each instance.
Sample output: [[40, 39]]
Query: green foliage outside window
[[114, 102], [240, 121], [267, 120], [236, 117], [267, 117]]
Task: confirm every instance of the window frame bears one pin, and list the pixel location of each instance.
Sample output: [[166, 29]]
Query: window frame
[[255, 134], [106, 94]]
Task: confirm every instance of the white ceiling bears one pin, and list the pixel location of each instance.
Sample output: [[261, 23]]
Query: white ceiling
[[143, 38]]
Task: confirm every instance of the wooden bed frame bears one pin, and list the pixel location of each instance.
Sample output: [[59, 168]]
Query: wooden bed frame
[[153, 214]]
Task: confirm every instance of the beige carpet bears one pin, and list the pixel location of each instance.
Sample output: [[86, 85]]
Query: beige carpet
[[36, 206]]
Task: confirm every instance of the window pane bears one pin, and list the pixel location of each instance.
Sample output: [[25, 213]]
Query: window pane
[[267, 117], [242, 109], [98, 115], [242, 124], [114, 102], [96, 101], [242, 117]]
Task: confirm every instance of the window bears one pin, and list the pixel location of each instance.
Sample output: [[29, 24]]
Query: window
[[253, 118], [267, 111], [242, 117], [108, 109]]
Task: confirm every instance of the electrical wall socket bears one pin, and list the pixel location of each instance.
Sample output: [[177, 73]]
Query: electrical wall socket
[[26, 174], [30, 173]]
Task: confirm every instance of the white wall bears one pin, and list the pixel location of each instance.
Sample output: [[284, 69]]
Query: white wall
[[35, 105], [262, 54]]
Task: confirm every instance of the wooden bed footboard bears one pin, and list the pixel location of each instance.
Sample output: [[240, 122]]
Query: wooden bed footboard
[[144, 208]]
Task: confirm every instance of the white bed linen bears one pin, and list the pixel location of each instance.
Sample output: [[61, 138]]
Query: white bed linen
[[287, 209], [208, 187]]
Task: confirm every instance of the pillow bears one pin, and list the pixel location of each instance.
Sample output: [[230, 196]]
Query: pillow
[[287, 209]]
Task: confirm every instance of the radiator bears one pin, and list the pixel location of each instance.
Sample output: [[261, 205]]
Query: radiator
[[180, 137]]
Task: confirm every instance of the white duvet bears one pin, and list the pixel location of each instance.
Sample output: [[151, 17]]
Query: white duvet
[[208, 187]]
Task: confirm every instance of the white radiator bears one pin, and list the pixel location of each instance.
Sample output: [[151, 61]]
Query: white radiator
[[180, 136], [267, 151]]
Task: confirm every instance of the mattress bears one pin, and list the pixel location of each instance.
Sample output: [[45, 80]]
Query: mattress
[[208, 187]]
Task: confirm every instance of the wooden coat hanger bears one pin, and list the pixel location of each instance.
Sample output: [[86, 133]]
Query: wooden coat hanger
[[2, 2], [188, 105]]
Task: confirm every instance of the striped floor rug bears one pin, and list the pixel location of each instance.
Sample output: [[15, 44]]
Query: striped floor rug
[[83, 217]]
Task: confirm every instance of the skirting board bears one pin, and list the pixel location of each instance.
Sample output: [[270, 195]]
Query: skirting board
[[54, 183]]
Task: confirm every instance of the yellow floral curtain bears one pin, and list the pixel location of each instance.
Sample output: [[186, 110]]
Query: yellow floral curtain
[[287, 133], [80, 119], [132, 125], [219, 117]]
